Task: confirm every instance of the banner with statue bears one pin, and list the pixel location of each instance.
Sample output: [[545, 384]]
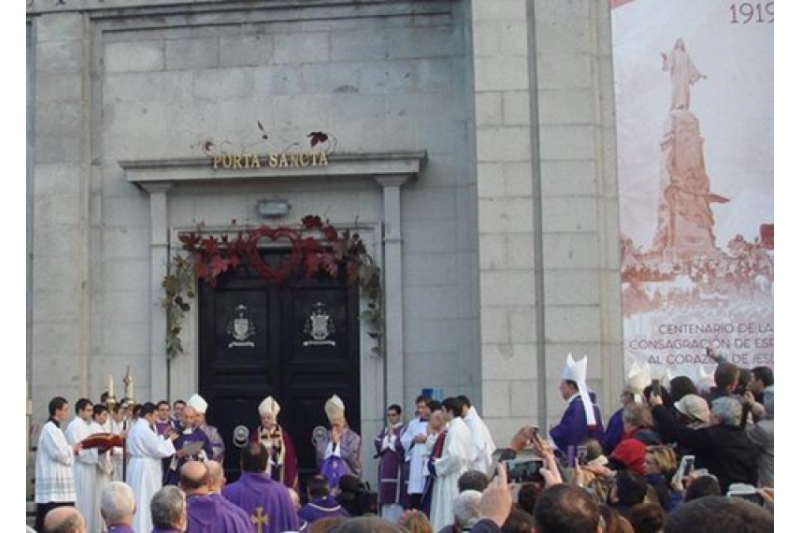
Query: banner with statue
[[694, 118]]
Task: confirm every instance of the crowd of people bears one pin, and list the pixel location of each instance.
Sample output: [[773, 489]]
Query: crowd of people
[[674, 457]]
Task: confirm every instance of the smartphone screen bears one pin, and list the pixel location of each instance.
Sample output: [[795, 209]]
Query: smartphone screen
[[581, 455], [688, 465]]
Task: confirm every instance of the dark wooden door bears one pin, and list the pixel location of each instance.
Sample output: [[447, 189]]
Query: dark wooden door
[[298, 342]]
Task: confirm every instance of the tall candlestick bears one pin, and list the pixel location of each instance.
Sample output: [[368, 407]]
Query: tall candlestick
[[110, 385]]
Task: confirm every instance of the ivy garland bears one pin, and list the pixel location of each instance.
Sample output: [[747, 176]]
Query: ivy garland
[[207, 257]]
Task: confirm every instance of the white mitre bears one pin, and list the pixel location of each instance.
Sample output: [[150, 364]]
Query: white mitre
[[638, 379], [199, 404], [269, 406], [576, 371], [334, 408]]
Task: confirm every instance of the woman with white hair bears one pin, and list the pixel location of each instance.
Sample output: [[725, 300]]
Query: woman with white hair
[[466, 511], [723, 447]]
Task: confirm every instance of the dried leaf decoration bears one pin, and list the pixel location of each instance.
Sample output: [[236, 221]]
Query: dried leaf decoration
[[317, 248]]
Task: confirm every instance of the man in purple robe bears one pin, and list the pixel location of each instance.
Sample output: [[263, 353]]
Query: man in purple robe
[[389, 449], [189, 432], [582, 418], [163, 421], [205, 512], [338, 449], [320, 502], [267, 502]]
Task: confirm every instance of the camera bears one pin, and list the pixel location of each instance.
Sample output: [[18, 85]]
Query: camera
[[524, 470]]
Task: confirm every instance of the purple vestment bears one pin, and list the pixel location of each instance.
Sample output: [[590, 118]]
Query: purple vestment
[[321, 508], [572, 429], [196, 435], [614, 433], [343, 458], [391, 453], [266, 502], [208, 514]]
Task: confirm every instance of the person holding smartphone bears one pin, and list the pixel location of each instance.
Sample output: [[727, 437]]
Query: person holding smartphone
[[723, 447]]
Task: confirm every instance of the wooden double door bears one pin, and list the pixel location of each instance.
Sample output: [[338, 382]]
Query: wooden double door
[[297, 342]]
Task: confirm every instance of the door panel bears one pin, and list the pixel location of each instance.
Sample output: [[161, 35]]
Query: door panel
[[298, 342]]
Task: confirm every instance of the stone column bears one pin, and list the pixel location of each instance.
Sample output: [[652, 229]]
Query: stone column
[[393, 287], [159, 267]]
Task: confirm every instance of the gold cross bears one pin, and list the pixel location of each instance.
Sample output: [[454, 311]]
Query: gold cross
[[259, 519]]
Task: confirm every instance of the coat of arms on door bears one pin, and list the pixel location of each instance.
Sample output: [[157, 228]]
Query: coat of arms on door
[[319, 326], [241, 328]]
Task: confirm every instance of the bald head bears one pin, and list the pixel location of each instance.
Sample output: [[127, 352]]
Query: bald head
[[216, 476], [195, 478], [64, 520]]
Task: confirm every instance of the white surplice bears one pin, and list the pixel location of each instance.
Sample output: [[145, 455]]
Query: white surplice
[[85, 470], [416, 455], [55, 480], [105, 471], [455, 460], [145, 449], [482, 443], [112, 426]]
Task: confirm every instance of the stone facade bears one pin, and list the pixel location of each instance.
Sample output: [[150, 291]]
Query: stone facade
[[501, 251]]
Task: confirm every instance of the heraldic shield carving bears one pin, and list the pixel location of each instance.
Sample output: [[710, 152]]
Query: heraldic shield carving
[[319, 326], [241, 328]]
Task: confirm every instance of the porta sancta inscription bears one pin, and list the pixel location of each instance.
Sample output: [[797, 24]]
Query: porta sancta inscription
[[273, 160]]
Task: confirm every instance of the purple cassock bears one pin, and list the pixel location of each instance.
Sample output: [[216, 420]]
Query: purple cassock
[[390, 451], [266, 502], [321, 508], [160, 530], [196, 435], [572, 430], [614, 432], [209, 514]]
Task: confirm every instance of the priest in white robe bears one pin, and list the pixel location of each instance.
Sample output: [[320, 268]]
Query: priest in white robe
[[456, 458], [482, 443], [85, 467], [115, 423], [413, 441], [145, 449], [105, 461]]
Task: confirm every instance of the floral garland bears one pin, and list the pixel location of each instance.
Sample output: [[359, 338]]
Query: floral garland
[[207, 257]]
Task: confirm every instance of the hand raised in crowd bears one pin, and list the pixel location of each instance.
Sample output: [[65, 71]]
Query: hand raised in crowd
[[522, 438], [680, 484], [496, 501], [768, 493], [582, 476], [541, 447], [598, 470]]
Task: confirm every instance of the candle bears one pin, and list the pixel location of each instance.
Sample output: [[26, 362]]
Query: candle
[[110, 385]]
